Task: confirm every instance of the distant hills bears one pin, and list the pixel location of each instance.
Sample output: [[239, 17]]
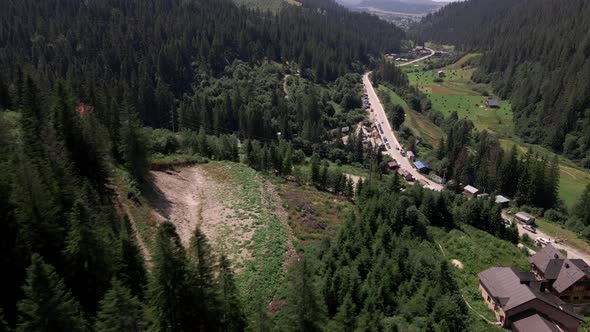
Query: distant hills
[[395, 6], [537, 55]]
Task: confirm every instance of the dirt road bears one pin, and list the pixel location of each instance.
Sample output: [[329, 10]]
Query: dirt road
[[378, 116], [571, 252]]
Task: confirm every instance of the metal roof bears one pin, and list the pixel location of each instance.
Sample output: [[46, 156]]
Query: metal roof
[[471, 189], [501, 199], [524, 216], [420, 165]]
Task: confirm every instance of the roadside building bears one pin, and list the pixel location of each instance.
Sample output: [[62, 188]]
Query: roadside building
[[437, 179], [441, 74], [525, 218], [492, 103], [406, 174], [569, 279], [421, 166], [393, 165], [520, 302], [345, 129], [501, 200], [411, 156], [470, 191]]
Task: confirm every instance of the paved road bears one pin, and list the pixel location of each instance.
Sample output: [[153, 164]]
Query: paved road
[[378, 116], [417, 60], [571, 252]]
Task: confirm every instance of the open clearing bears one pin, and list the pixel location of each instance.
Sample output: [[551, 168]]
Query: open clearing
[[240, 213], [477, 251]]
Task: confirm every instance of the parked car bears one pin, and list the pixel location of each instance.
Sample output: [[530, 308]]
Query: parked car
[[542, 241], [530, 228]]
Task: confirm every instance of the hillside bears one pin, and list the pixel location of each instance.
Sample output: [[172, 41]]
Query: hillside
[[537, 55]]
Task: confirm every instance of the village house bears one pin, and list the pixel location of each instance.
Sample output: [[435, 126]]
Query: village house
[[411, 156], [436, 178], [501, 200], [525, 218], [393, 165], [421, 166], [492, 103], [569, 279], [470, 191], [520, 302], [406, 175]]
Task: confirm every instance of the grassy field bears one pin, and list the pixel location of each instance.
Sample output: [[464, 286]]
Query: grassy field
[[456, 93], [263, 274], [477, 250], [418, 123], [557, 231]]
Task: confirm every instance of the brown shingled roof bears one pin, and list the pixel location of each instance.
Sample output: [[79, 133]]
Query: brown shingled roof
[[535, 323], [555, 266], [508, 286]]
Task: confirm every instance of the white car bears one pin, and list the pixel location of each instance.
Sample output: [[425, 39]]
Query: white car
[[530, 228], [542, 241]]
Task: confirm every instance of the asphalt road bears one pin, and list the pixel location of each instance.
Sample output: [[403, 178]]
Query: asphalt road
[[378, 116], [417, 60]]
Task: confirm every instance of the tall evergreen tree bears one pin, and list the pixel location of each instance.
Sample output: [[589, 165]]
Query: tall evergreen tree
[[120, 311], [168, 286], [304, 308], [231, 316], [48, 305]]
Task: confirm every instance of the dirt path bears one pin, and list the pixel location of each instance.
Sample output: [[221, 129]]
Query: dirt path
[[283, 216]]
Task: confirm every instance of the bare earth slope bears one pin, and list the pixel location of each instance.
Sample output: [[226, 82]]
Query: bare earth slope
[[239, 212]]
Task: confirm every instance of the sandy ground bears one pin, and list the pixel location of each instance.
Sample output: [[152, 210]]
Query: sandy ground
[[195, 196]]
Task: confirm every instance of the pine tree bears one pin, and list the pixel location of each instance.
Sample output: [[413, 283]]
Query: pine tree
[[128, 263], [87, 258], [120, 311], [232, 317], [47, 305], [202, 286], [168, 285], [132, 146], [304, 308], [315, 168]]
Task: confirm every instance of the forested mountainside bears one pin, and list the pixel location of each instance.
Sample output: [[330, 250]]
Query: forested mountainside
[[537, 54], [154, 51]]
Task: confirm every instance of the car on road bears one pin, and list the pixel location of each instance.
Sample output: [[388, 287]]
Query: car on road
[[530, 228], [542, 241]]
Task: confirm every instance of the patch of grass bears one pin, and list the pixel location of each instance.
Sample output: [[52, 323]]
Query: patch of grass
[[420, 125], [160, 162], [263, 273], [477, 250], [557, 231], [313, 214]]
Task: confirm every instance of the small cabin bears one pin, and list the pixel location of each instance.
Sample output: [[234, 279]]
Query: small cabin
[[470, 191], [411, 155], [492, 103]]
